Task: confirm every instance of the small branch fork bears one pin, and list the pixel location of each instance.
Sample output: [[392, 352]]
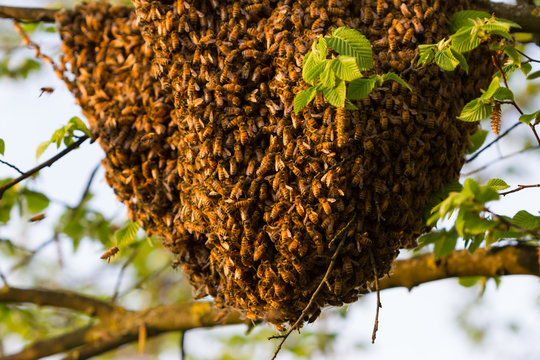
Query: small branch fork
[[43, 165], [116, 326], [379, 305]]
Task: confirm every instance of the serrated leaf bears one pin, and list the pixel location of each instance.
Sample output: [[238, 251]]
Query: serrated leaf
[[477, 139], [2, 146], [462, 61], [446, 245], [497, 184], [349, 105], [346, 68], [526, 220], [360, 88], [36, 201], [534, 75], [41, 149], [312, 68], [512, 54], [396, 78], [336, 95], [503, 93], [464, 41], [350, 42], [319, 49], [463, 18], [493, 87], [304, 98], [426, 53], [475, 110], [127, 234], [527, 118], [328, 76], [446, 60], [76, 123]]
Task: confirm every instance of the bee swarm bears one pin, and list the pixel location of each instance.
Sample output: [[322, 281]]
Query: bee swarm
[[192, 103]]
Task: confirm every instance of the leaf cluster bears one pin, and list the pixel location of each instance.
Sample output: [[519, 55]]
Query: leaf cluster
[[66, 134], [330, 76]]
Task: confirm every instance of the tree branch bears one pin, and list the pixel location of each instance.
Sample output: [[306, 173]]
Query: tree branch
[[27, 14], [41, 166], [62, 299], [121, 326]]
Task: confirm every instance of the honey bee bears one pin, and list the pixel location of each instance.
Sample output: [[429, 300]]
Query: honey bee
[[383, 118], [381, 4], [287, 276], [317, 26], [429, 13], [37, 217], [107, 255], [398, 26], [338, 283], [342, 119], [250, 169], [409, 36], [392, 43], [47, 89]]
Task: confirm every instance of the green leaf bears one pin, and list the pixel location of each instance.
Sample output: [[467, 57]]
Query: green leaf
[[7, 202], [446, 60], [336, 95], [462, 61], [431, 238], [464, 40], [319, 49], [76, 123], [127, 234], [360, 88], [350, 106], [35, 201], [475, 243], [41, 148], [446, 245], [396, 78], [534, 75], [463, 18], [312, 68], [493, 87], [328, 77], [477, 139], [468, 281], [527, 118], [2, 146], [526, 220], [426, 53], [475, 110], [304, 98], [350, 42], [512, 54], [346, 68], [503, 93], [526, 68], [497, 184]]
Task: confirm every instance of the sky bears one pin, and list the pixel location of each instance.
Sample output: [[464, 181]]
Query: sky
[[420, 324]]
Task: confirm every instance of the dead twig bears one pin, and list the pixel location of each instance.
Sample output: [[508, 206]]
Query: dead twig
[[379, 305], [519, 188], [333, 259], [476, 154]]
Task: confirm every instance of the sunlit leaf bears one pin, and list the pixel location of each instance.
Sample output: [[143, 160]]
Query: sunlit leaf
[[35, 201], [527, 118], [360, 88], [477, 139], [475, 110], [127, 234], [304, 98], [336, 95], [350, 42]]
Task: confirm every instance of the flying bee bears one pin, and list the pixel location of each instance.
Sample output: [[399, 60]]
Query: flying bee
[[46, 89], [37, 217], [107, 255]]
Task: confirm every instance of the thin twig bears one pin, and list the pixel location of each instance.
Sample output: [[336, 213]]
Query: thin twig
[[87, 187], [145, 279], [182, 345], [375, 273], [11, 166], [41, 166], [321, 283], [527, 56], [121, 274], [32, 253], [498, 159], [475, 155], [511, 224], [4, 279], [27, 14], [519, 188]]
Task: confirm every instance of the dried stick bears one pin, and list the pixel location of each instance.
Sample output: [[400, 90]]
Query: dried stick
[[121, 274], [11, 166], [376, 323], [321, 283], [41, 166], [519, 188]]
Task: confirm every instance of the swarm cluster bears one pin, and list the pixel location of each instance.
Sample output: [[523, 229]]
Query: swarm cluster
[[253, 199]]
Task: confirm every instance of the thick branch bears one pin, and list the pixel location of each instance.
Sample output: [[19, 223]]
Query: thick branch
[[122, 326], [27, 14], [62, 299], [508, 260]]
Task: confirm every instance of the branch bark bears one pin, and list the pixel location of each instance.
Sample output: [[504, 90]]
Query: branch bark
[[121, 326]]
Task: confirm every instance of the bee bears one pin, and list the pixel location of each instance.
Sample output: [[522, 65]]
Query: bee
[[392, 43], [338, 283], [409, 36], [263, 191], [254, 9], [37, 217], [236, 10], [348, 267], [429, 13], [383, 118], [47, 89], [342, 119], [107, 255], [414, 100], [317, 25], [250, 169], [398, 26], [381, 4], [405, 10], [287, 276]]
